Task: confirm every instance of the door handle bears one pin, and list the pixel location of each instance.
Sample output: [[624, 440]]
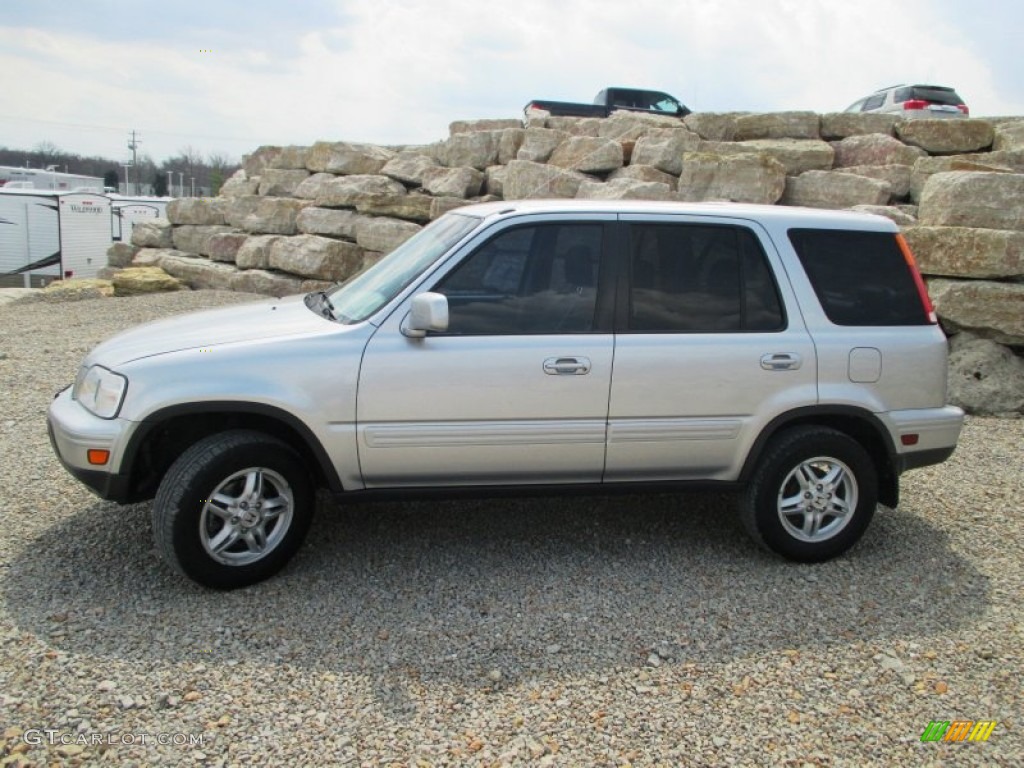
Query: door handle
[[781, 361], [567, 366]]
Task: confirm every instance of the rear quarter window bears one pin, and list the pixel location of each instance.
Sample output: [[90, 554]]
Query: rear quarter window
[[860, 278]]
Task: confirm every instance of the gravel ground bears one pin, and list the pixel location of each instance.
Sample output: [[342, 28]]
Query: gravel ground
[[591, 632]]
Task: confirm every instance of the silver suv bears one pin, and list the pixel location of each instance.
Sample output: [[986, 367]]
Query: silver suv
[[790, 354], [931, 101]]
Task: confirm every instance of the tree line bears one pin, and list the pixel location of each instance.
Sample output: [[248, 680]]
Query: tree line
[[188, 167]]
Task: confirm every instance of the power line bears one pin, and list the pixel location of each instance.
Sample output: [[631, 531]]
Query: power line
[[118, 130]]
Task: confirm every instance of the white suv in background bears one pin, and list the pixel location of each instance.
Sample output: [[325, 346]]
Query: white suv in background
[[560, 346], [935, 101]]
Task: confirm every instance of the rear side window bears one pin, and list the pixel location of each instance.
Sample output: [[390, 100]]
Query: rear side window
[[860, 278], [688, 278]]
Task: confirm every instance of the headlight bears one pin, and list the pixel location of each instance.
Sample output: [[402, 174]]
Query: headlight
[[100, 391]]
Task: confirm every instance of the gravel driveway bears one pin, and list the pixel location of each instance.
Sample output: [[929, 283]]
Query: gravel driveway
[[602, 631]]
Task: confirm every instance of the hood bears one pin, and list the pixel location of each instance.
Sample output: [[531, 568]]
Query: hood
[[245, 322]]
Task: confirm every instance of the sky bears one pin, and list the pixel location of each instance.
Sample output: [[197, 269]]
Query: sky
[[226, 76]]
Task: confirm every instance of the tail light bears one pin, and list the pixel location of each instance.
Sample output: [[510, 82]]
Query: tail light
[[963, 108], [916, 104], [922, 291]]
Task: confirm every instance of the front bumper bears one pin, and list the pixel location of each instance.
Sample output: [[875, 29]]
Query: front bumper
[[74, 431]]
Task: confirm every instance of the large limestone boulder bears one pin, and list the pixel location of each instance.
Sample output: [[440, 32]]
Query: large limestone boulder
[[587, 154], [539, 143], [624, 126], [525, 180], [741, 178], [796, 155], [408, 168], [276, 182], [346, 158], [834, 189], [194, 239], [494, 180], [329, 191], [575, 126], [641, 172], [255, 162], [332, 222], [1009, 136], [239, 185], [897, 176], [414, 207], [254, 253], [509, 144], [317, 257], [992, 310], [664, 150], [841, 125], [135, 281], [492, 124], [894, 213], [874, 149], [151, 257], [926, 167], [266, 282], [475, 149], [382, 234], [967, 252], [454, 182], [946, 137], [625, 189], [778, 125], [985, 378], [121, 254], [199, 211], [197, 272], [264, 215], [290, 158], [989, 200], [78, 289], [224, 246], [713, 126], [155, 233]]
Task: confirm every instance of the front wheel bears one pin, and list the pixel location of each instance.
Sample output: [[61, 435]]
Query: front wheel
[[812, 496], [233, 509]]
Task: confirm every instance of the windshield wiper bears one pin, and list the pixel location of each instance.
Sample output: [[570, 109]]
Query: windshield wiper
[[322, 304]]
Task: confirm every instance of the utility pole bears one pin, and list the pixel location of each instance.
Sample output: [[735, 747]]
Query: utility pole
[[133, 144]]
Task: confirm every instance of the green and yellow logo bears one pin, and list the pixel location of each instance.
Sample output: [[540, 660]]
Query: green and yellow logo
[[958, 730]]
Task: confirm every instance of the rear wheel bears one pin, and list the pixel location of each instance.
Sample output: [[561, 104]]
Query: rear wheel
[[812, 496], [233, 509]]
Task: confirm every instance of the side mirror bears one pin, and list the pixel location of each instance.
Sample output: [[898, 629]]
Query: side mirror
[[428, 312]]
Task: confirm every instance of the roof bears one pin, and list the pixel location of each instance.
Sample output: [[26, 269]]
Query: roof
[[783, 215]]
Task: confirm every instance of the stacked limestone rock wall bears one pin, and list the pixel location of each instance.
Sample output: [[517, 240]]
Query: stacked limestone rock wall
[[297, 218]]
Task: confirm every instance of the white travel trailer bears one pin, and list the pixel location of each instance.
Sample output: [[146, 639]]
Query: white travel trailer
[[126, 212], [48, 180], [45, 236]]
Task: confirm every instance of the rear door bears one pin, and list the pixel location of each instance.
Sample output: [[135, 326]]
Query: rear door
[[706, 351]]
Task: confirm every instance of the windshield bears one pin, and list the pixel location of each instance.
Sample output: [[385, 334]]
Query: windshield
[[362, 295]]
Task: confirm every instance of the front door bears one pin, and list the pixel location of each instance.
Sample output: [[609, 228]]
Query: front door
[[516, 390]]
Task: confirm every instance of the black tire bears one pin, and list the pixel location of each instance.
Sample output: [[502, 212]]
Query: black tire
[[805, 465], [233, 509]]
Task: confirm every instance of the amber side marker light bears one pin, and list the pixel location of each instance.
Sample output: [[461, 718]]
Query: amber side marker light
[[922, 291], [98, 456]]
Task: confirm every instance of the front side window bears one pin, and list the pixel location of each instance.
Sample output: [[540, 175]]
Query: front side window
[[700, 279], [527, 280]]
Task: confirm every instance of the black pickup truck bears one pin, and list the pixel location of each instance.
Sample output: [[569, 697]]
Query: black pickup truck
[[611, 99]]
